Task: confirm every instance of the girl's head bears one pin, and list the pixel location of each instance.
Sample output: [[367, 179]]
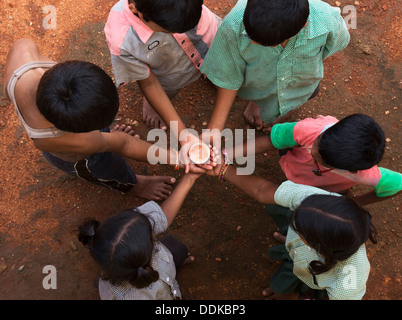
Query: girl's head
[[334, 226], [123, 246]]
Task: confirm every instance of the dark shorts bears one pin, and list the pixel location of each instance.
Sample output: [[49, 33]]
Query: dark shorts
[[106, 169]]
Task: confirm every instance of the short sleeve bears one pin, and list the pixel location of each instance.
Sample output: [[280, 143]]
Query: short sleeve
[[155, 215], [223, 64], [290, 194], [390, 183], [307, 130], [338, 36], [282, 135], [127, 68]]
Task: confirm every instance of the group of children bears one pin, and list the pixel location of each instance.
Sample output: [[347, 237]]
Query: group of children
[[269, 53]]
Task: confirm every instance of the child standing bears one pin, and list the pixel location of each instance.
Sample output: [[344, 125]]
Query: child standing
[[271, 53], [135, 264], [334, 155], [161, 45], [325, 240]]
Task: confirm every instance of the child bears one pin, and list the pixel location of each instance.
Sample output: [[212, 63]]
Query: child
[[334, 155], [271, 53], [135, 264], [161, 45], [324, 247], [66, 109]]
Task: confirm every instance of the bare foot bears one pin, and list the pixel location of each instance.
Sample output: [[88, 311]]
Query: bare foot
[[189, 259], [126, 129], [151, 118], [272, 295], [252, 115], [280, 237], [153, 187]]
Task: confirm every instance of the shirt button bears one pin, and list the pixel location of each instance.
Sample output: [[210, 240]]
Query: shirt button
[[174, 291], [167, 279]]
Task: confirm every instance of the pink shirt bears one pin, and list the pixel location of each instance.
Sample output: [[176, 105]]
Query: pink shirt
[[136, 49], [298, 163]]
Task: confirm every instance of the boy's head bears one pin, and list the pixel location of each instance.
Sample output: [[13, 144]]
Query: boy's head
[[271, 22], [354, 143], [77, 96], [173, 16]]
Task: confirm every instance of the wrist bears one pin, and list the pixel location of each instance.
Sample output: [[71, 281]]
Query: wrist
[[223, 169]]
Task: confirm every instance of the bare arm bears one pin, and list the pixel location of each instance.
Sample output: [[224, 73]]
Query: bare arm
[[259, 144], [96, 142], [370, 197], [224, 101], [173, 203], [158, 99], [256, 187]]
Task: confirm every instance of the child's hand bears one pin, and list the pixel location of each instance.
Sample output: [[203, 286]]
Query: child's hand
[[218, 162]]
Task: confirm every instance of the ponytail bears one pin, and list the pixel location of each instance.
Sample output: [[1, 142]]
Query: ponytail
[[87, 230], [123, 246], [336, 227], [144, 277]]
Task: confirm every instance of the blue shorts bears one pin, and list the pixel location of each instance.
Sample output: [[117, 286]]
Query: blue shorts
[[107, 169]]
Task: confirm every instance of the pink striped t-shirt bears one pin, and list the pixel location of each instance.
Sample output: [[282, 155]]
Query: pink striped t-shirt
[[136, 49], [298, 163]]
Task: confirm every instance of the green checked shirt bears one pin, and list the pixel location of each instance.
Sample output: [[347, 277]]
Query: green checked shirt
[[347, 279], [278, 79]]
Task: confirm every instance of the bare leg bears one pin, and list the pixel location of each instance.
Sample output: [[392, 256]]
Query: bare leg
[[151, 117]]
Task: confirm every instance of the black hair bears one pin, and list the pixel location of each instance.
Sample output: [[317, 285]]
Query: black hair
[[176, 16], [77, 96], [270, 22], [334, 226], [356, 142], [122, 246]]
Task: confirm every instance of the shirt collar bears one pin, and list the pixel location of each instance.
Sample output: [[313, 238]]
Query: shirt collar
[[314, 28], [142, 30]]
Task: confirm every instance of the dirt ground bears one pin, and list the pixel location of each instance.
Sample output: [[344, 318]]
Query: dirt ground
[[227, 232]]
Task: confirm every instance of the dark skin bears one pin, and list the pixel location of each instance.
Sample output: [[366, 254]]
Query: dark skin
[[263, 144]]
